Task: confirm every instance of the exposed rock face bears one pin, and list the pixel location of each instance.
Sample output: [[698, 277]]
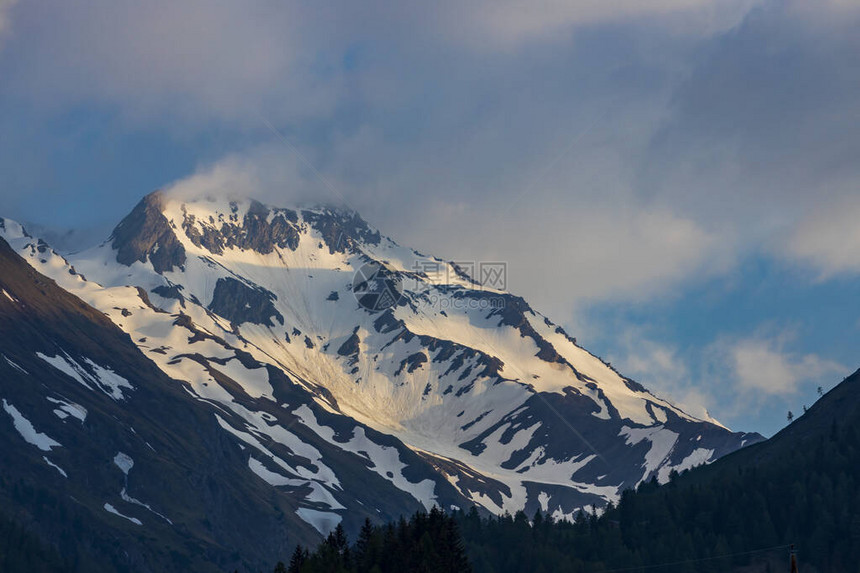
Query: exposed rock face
[[412, 363], [342, 231], [351, 347], [173, 292], [240, 303], [257, 231], [146, 234]]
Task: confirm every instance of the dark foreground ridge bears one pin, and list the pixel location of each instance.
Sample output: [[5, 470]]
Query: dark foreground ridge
[[56, 500]]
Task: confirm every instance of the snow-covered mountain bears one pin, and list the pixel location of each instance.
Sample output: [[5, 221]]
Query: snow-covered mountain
[[306, 327], [110, 465]]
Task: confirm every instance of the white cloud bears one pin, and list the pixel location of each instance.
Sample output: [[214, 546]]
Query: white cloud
[[731, 379], [590, 251], [828, 238], [660, 368], [647, 357], [268, 173], [763, 367]]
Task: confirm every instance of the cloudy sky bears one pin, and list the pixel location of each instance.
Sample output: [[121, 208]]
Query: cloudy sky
[[675, 181]]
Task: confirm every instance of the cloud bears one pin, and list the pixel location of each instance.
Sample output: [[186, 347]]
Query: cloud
[[762, 367], [508, 23], [196, 61], [625, 148], [5, 8], [591, 251], [765, 127], [828, 239], [587, 253], [662, 369], [269, 173], [730, 380], [189, 61]]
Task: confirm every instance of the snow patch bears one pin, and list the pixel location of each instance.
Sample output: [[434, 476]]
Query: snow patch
[[269, 476], [255, 381], [662, 443], [102, 378], [67, 366], [659, 414], [697, 457], [323, 472], [12, 229], [110, 381], [128, 499], [543, 500], [319, 494], [28, 432], [384, 460], [123, 462], [111, 509], [322, 521], [65, 409], [55, 466]]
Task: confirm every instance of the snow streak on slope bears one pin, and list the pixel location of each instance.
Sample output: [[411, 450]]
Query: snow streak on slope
[[28, 432], [91, 376]]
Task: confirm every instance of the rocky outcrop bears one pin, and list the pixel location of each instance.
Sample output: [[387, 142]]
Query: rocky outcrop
[[240, 303], [351, 347], [261, 230], [342, 231], [146, 234]]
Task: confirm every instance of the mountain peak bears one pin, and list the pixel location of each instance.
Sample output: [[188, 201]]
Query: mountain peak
[[158, 226], [250, 305], [145, 234]]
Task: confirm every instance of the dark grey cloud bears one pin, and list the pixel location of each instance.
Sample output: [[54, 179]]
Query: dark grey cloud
[[767, 125]]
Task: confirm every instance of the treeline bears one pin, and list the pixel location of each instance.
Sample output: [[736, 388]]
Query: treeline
[[802, 490], [735, 515], [727, 516], [426, 543]]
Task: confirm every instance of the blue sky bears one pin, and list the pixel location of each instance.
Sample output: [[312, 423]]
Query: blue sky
[[675, 181]]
